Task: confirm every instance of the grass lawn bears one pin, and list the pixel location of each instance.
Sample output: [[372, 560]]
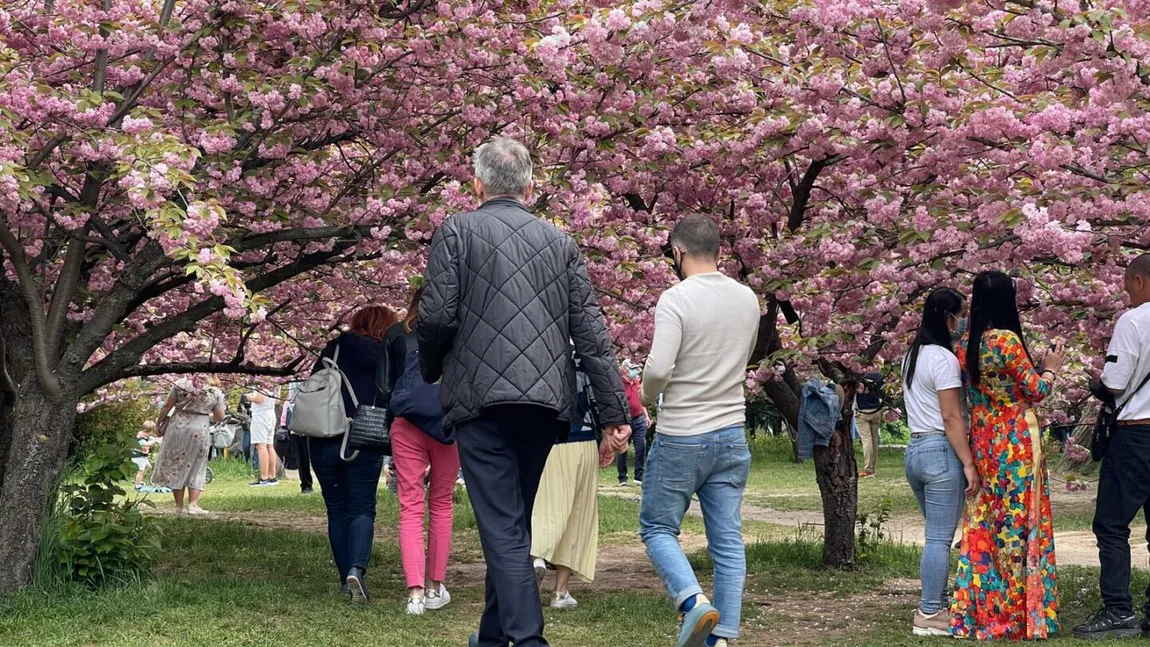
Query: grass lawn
[[256, 574]]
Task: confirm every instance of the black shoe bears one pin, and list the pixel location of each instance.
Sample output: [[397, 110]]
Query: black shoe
[[1103, 624], [355, 582], [305, 490], [257, 483], [1146, 627], [345, 589]]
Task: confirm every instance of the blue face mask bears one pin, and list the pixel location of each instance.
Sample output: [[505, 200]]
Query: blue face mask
[[959, 329], [633, 373]]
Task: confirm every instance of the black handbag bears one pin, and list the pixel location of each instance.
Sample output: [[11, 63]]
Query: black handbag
[[1107, 421], [370, 430]]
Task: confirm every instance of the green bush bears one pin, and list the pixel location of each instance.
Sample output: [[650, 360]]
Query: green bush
[[104, 539], [103, 424]]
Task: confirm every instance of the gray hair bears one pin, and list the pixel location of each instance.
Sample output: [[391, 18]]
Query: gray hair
[[503, 165]]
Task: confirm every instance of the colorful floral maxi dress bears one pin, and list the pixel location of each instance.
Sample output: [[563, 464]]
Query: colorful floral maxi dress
[[1006, 585]]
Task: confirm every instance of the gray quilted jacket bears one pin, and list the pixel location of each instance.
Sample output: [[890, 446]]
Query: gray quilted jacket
[[505, 293]]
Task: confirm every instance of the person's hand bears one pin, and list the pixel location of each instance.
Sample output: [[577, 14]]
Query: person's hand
[[606, 454], [615, 439], [972, 480], [619, 436], [1054, 358], [1094, 384]]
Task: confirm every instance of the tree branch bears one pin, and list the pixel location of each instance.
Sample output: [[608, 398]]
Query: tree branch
[[43, 153], [112, 367], [185, 368], [101, 54], [35, 301], [802, 191]]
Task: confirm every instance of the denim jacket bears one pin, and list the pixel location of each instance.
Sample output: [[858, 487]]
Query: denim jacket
[[818, 414]]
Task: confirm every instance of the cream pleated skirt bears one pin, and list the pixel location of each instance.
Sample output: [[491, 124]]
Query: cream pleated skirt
[[565, 522]]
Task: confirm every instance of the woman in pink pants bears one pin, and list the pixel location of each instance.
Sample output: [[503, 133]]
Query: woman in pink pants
[[418, 441]]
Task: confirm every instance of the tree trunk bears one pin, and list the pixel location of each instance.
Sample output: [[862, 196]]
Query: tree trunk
[[40, 433], [837, 474], [15, 363]]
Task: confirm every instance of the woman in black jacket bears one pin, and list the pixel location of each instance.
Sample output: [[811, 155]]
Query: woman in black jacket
[[349, 486]]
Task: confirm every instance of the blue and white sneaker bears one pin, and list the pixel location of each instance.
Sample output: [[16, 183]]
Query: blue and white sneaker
[[697, 624]]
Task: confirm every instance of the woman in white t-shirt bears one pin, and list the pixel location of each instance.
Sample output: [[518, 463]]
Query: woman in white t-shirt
[[263, 428], [939, 464]]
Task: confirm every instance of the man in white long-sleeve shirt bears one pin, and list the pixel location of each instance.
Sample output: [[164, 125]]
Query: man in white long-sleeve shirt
[[705, 330]]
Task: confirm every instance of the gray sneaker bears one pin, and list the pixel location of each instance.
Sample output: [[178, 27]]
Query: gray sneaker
[[936, 624]]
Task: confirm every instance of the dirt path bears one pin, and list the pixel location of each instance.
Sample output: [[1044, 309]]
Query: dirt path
[[1074, 548]]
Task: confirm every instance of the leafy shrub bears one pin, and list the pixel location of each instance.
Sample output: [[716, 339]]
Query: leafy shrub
[[872, 531], [103, 424], [104, 539]]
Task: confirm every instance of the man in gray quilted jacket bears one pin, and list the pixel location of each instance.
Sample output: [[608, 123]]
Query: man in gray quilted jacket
[[504, 292]]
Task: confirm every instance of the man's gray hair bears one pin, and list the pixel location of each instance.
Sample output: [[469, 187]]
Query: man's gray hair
[[503, 165]]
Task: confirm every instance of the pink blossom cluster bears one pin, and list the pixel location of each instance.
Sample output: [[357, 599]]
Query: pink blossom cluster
[[857, 153]]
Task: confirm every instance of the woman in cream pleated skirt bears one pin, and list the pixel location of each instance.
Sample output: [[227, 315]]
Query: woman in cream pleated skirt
[[565, 521]]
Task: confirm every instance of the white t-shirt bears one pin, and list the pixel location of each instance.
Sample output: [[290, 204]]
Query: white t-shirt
[[264, 415], [1128, 362], [936, 370]]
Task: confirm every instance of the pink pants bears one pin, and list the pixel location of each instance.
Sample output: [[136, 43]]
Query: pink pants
[[412, 451]]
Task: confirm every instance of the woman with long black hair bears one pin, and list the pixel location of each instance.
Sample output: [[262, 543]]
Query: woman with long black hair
[[1006, 584], [939, 465]]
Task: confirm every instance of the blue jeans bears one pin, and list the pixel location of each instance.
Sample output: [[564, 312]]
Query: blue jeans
[[936, 477], [348, 489], [715, 466], [639, 437]]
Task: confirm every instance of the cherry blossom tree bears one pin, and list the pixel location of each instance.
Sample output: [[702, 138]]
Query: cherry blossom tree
[[861, 153], [204, 186]]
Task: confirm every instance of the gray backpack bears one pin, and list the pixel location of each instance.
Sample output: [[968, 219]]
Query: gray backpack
[[318, 410]]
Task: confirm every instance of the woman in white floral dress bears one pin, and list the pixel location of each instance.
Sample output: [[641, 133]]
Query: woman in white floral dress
[[183, 460]]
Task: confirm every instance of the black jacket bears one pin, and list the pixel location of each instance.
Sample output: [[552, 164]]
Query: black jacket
[[505, 294], [391, 364], [358, 357]]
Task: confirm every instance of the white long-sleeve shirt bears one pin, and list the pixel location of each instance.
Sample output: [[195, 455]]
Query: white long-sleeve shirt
[[705, 330]]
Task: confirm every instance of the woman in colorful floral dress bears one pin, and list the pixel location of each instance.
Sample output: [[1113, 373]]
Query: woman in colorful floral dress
[[1006, 586]]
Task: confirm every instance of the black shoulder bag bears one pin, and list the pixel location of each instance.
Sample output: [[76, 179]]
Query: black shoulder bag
[[1107, 421]]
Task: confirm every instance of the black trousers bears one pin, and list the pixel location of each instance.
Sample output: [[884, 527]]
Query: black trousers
[[302, 460], [503, 453], [1123, 490]]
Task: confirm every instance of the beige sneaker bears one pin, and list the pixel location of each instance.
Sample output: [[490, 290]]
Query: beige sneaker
[[936, 624]]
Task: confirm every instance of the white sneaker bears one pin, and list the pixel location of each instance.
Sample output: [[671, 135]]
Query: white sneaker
[[436, 600], [540, 571], [722, 642], [563, 601], [415, 606], [195, 509]]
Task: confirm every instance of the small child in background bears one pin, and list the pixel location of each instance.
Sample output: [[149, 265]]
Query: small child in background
[[147, 439]]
